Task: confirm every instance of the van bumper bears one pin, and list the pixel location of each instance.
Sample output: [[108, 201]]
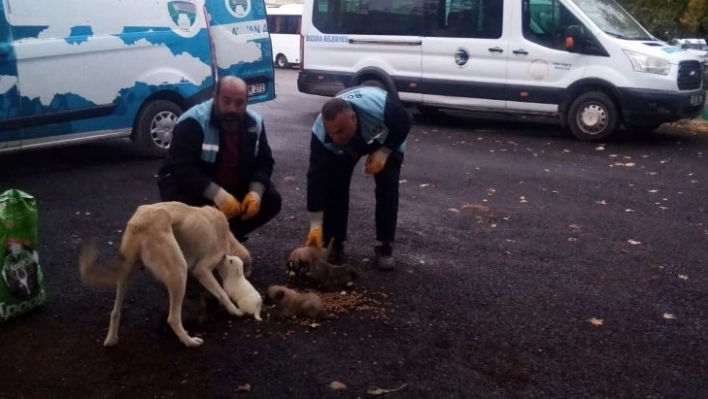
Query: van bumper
[[321, 83], [658, 106]]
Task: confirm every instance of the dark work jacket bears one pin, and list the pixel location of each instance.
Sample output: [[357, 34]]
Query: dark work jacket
[[184, 175]]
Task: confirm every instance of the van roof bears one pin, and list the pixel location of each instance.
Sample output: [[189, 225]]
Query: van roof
[[284, 9]]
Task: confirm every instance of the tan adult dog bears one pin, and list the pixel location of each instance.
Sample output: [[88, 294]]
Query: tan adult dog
[[170, 239]]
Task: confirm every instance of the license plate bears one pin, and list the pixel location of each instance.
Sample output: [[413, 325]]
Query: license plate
[[256, 89], [695, 99]]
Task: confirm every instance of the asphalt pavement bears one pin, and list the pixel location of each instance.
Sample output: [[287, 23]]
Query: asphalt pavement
[[530, 265]]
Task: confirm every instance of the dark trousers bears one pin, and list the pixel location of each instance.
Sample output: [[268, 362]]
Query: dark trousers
[[271, 202], [336, 212]]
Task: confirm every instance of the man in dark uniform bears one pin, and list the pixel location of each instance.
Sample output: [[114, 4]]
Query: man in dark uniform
[[358, 121], [220, 155]]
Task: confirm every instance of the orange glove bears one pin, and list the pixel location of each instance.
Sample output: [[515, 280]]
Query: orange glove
[[227, 203], [376, 161], [251, 205], [314, 238]]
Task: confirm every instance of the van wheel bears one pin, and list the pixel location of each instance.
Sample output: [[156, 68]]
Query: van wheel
[[593, 116], [154, 127], [281, 61]]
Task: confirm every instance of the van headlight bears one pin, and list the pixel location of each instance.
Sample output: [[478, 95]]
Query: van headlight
[[648, 64]]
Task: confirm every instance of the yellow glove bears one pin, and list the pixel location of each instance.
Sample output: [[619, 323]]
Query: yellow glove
[[227, 203], [315, 237], [376, 161], [251, 205]]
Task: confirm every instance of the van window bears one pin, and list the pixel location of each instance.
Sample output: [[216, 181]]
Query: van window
[[365, 17], [482, 19], [285, 24], [545, 22]]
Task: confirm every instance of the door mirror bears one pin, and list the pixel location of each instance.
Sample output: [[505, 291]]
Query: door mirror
[[574, 38]]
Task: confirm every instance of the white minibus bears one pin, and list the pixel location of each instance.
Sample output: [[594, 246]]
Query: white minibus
[[586, 63], [284, 23]]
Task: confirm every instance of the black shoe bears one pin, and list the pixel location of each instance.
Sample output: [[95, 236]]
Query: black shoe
[[383, 257], [336, 254]]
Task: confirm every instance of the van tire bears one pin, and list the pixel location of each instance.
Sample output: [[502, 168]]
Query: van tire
[[154, 125], [281, 61], [593, 116]]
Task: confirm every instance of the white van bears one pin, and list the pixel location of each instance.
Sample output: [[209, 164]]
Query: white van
[[73, 71], [284, 22], [586, 62]]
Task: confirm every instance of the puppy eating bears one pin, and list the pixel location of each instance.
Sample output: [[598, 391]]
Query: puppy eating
[[329, 277], [292, 303], [301, 258], [240, 290]]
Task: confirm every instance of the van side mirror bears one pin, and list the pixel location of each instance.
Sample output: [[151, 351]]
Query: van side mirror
[[573, 38]]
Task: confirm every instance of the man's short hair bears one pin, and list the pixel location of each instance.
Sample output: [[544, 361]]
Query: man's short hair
[[334, 107]]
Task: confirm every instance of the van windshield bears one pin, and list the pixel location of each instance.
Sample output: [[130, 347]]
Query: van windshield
[[613, 19]]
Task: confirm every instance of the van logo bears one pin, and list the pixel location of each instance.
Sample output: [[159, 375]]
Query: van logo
[[239, 8], [461, 57], [183, 13]]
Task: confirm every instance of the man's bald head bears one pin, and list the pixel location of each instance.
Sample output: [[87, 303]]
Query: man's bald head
[[230, 101], [232, 84]]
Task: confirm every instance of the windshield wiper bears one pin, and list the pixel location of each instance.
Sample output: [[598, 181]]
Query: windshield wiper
[[623, 37], [617, 35]]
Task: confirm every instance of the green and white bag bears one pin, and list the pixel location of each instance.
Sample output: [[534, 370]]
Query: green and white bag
[[21, 278]]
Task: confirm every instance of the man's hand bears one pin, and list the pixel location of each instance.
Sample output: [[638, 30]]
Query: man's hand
[[251, 205], [376, 161], [314, 238], [227, 203]]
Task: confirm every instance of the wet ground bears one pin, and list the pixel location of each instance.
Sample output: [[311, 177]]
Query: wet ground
[[530, 265]]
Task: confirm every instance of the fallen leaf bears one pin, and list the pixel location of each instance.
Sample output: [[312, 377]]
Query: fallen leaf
[[634, 242], [683, 277], [629, 210], [477, 207], [596, 322], [337, 386], [600, 148], [424, 185], [243, 388], [575, 226], [669, 316], [453, 210], [379, 391], [603, 202], [653, 191], [572, 239], [403, 181], [314, 325]]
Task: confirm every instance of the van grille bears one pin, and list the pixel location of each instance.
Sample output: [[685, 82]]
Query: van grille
[[690, 75]]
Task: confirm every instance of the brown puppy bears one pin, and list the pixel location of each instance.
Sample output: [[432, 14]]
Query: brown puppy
[[329, 277], [293, 303], [301, 258]]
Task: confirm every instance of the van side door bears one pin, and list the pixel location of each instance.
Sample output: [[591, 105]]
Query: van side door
[[465, 53], [10, 133], [540, 65]]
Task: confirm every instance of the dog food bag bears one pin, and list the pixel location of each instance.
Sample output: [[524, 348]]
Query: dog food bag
[[21, 278]]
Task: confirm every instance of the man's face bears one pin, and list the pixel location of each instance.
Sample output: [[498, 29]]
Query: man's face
[[341, 129], [230, 106]]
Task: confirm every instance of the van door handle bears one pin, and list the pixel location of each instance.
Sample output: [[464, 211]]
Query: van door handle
[[520, 52], [496, 50]]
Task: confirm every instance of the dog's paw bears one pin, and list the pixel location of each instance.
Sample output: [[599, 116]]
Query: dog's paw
[[193, 342], [110, 341]]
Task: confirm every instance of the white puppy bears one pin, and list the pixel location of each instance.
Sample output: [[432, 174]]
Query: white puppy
[[240, 290]]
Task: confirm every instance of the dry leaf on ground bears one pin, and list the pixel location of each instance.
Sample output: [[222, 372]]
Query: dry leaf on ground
[[337, 386], [596, 322], [379, 391], [669, 316], [634, 242], [243, 388]]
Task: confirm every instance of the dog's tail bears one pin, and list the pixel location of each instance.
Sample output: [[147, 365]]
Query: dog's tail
[[98, 276]]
